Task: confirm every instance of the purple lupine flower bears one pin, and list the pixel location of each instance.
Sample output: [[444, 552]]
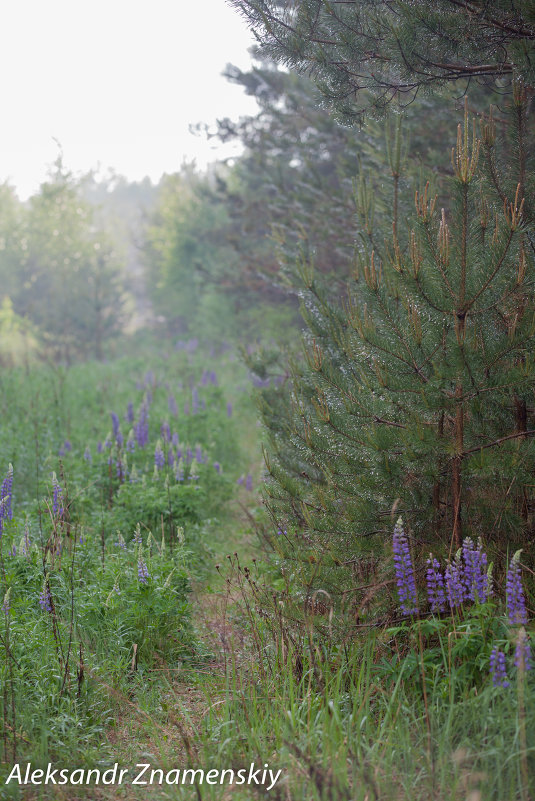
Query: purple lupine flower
[[119, 439], [45, 599], [198, 454], [6, 498], [179, 471], [13, 551], [189, 455], [171, 405], [57, 509], [516, 602], [120, 541], [130, 413], [159, 456], [142, 571], [87, 455], [61, 451], [179, 453], [99, 447], [406, 583], [213, 378], [217, 467], [435, 585], [475, 571], [165, 431], [170, 457], [204, 378], [141, 429], [107, 441], [497, 668], [149, 378], [174, 440], [249, 482], [240, 480], [281, 533], [229, 409], [522, 651], [67, 445], [455, 589]]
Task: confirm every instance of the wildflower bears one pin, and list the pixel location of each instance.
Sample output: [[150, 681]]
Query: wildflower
[[475, 571], [179, 470], [67, 445], [142, 571], [455, 589], [240, 480], [198, 454], [45, 599], [57, 509], [522, 651], [141, 430], [249, 482], [213, 378], [137, 535], [404, 571], [497, 668], [170, 458], [217, 467], [115, 424], [282, 533], [435, 585], [99, 447], [165, 431], [61, 451], [6, 605], [516, 602], [120, 541], [174, 440], [7, 494], [130, 442], [13, 551], [159, 456], [189, 455], [25, 544], [130, 413], [87, 455]]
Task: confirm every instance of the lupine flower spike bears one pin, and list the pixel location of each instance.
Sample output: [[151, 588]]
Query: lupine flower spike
[[497, 668], [455, 589], [522, 651], [406, 584], [435, 585], [6, 605], [516, 602], [475, 571]]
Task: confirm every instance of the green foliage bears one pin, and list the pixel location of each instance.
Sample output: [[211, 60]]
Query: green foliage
[[363, 55]]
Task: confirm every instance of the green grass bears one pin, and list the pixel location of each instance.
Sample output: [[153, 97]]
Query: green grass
[[216, 667]]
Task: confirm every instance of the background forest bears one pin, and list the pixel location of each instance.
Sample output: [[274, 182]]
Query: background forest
[[267, 427]]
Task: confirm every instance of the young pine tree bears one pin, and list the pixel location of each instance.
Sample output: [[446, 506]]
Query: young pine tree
[[409, 393]]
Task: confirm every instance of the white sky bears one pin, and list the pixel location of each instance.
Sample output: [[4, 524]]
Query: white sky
[[117, 82]]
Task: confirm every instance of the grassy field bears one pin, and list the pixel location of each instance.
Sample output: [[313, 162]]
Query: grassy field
[[144, 623]]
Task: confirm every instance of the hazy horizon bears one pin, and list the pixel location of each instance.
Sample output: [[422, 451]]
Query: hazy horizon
[[117, 85]]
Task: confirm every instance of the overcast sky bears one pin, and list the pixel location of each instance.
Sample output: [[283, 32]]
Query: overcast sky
[[116, 82]]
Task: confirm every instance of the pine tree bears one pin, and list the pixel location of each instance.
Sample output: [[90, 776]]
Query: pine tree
[[365, 53], [409, 393]]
